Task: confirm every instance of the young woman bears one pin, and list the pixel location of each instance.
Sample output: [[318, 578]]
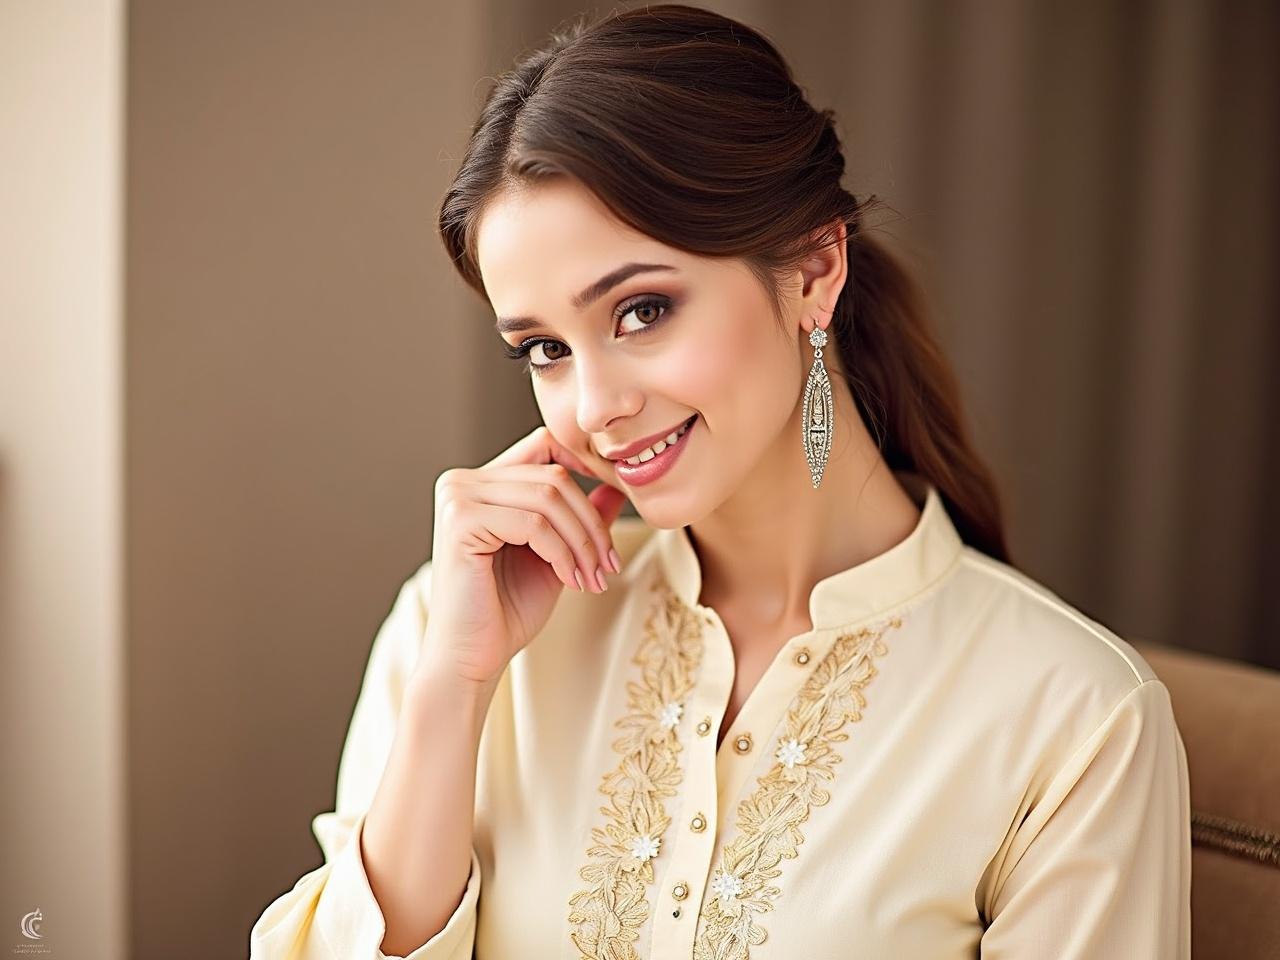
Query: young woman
[[801, 705]]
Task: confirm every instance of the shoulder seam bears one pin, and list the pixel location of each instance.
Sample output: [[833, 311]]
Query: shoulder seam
[[989, 566]]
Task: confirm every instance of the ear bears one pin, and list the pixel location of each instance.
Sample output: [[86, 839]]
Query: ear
[[822, 277]]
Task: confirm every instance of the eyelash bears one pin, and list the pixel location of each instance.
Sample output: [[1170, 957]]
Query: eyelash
[[521, 350]]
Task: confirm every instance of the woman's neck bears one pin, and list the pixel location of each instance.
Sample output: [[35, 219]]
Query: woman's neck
[[763, 550]]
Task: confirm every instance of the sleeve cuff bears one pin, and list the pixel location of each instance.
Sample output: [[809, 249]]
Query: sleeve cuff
[[351, 923]]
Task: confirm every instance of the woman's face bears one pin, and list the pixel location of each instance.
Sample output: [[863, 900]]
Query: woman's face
[[685, 336]]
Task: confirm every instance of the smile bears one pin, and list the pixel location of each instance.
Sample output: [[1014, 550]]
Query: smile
[[654, 461], [648, 453]]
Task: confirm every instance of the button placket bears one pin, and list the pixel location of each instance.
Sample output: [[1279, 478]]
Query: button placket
[[704, 726], [801, 657], [764, 712], [691, 852]]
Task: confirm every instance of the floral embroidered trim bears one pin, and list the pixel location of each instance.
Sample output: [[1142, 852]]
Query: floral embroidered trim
[[769, 820], [608, 915]]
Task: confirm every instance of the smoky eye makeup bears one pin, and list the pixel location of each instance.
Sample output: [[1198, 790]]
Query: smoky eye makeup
[[647, 301]]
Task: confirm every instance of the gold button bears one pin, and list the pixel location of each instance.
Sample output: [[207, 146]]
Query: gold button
[[743, 743], [699, 823], [679, 891], [803, 656], [704, 727]]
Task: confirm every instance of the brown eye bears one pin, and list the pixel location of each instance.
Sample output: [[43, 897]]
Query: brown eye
[[544, 345], [648, 310]]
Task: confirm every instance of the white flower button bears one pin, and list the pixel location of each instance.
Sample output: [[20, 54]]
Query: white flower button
[[790, 753], [670, 715], [726, 886], [645, 848]]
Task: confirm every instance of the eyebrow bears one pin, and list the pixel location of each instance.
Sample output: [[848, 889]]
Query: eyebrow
[[588, 296]]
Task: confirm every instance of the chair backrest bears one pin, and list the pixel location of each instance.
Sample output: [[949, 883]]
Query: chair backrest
[[1229, 716]]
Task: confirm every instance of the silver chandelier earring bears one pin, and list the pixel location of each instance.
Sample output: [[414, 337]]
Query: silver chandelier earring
[[818, 411]]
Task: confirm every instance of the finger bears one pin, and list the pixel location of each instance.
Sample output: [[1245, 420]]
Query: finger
[[606, 497], [608, 501], [539, 446], [562, 455], [542, 492], [566, 457], [497, 524], [588, 513], [531, 448]]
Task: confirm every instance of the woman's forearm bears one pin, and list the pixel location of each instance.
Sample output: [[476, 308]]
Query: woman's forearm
[[418, 832]]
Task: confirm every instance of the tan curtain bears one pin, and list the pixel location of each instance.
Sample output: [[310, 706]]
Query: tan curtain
[[1090, 192]]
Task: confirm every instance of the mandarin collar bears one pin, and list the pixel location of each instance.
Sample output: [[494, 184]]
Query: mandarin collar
[[859, 592]]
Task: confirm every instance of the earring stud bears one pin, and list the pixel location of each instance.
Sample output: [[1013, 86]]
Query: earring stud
[[817, 411]]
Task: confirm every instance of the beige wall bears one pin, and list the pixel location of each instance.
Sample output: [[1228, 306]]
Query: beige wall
[[302, 364], [61, 525]]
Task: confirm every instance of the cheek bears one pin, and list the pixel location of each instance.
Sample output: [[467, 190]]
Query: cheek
[[559, 416], [737, 369], [707, 364], [698, 376]]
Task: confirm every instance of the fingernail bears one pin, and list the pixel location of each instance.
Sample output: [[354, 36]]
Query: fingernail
[[615, 560], [600, 578], [577, 575]]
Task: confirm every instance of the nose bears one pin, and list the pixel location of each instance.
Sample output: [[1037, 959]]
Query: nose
[[605, 394]]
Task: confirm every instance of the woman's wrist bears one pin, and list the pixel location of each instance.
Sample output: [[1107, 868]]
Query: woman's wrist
[[438, 689]]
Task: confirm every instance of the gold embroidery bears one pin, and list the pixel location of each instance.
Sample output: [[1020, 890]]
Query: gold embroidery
[[769, 820], [608, 915]]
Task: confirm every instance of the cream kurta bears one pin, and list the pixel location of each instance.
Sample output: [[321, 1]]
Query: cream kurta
[[953, 762]]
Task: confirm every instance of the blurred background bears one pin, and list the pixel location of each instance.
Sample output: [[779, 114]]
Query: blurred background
[[234, 358]]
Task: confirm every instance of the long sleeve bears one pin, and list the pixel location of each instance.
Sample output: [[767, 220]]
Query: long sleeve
[[331, 913], [1101, 867]]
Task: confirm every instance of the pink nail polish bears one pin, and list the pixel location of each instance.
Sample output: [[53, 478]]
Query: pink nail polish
[[601, 580], [615, 560], [577, 575]]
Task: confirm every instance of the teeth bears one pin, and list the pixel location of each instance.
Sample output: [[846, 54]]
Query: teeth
[[648, 453]]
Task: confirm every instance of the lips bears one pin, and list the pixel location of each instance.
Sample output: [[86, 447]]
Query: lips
[[666, 443], [644, 443], [659, 465]]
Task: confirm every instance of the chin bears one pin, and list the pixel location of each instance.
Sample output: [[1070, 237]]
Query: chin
[[655, 515], [665, 512]]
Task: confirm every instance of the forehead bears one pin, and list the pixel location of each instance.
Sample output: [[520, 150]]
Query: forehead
[[538, 246]]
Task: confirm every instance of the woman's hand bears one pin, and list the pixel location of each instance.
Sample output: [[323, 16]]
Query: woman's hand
[[508, 536]]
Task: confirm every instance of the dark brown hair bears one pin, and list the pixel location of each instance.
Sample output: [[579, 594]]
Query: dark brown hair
[[690, 128]]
